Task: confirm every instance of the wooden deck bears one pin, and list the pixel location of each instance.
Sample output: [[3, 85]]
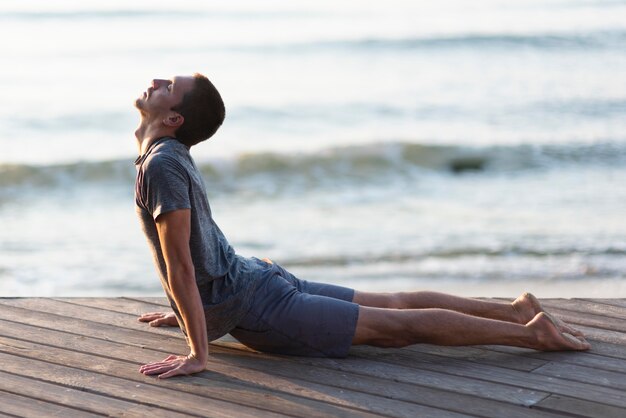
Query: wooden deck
[[80, 356]]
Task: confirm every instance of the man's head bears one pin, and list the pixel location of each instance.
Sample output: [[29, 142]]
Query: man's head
[[188, 106]]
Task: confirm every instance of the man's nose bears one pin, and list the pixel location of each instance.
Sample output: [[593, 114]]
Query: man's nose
[[156, 83]]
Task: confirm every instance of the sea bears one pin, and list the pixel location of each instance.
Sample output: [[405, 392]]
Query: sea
[[471, 147]]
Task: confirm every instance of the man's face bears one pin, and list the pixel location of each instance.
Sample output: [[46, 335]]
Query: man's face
[[163, 95]]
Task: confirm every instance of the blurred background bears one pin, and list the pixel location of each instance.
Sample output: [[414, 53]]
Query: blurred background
[[477, 148]]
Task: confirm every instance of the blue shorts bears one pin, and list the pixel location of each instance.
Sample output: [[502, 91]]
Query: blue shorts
[[295, 317]]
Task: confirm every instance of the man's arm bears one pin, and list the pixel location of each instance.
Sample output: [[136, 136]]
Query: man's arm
[[174, 231], [168, 319]]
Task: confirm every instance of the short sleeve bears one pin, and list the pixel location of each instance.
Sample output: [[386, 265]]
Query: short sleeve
[[166, 186]]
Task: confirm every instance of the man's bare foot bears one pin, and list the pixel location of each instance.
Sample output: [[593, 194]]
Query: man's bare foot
[[157, 319], [527, 306], [548, 336]]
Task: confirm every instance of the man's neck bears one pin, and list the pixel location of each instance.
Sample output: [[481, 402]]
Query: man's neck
[[147, 133]]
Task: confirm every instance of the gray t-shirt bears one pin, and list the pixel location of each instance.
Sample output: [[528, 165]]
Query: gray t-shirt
[[167, 180]]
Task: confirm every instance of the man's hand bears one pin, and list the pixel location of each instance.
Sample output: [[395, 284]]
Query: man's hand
[[174, 366], [157, 319], [267, 260]]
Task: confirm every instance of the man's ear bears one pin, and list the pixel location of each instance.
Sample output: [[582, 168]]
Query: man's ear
[[174, 120]]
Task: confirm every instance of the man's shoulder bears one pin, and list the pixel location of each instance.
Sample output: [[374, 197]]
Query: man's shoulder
[[167, 154]]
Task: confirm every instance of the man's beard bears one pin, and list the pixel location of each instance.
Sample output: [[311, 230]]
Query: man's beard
[[140, 105]]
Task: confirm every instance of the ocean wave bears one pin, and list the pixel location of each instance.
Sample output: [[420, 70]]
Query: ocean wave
[[91, 14], [560, 41], [15, 175], [542, 40], [557, 41], [359, 164], [150, 14], [396, 258]]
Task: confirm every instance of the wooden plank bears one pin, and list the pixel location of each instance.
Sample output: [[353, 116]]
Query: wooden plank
[[584, 374], [73, 325], [148, 394], [500, 375], [157, 300], [579, 407], [89, 313], [361, 404], [585, 307], [612, 302], [222, 367], [26, 407], [121, 365], [89, 402], [608, 349], [481, 356], [587, 359], [425, 378], [121, 305], [402, 383], [599, 335]]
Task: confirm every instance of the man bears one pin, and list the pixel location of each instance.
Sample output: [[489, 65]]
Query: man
[[214, 291]]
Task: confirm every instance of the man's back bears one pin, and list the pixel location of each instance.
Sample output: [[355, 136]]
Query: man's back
[[168, 180]]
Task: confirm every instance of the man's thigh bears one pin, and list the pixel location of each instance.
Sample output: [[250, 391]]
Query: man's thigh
[[316, 288]]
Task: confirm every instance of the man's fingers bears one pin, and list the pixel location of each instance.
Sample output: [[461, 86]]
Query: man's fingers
[[151, 314], [147, 317], [152, 365], [158, 369], [170, 373], [149, 367], [157, 319], [171, 359], [173, 365]]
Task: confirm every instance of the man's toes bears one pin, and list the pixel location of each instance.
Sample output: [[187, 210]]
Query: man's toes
[[563, 327], [576, 343], [573, 331]]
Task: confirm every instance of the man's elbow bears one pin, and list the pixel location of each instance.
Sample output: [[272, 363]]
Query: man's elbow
[[183, 274]]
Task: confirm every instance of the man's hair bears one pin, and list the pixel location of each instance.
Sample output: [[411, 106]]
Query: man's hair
[[203, 110]]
